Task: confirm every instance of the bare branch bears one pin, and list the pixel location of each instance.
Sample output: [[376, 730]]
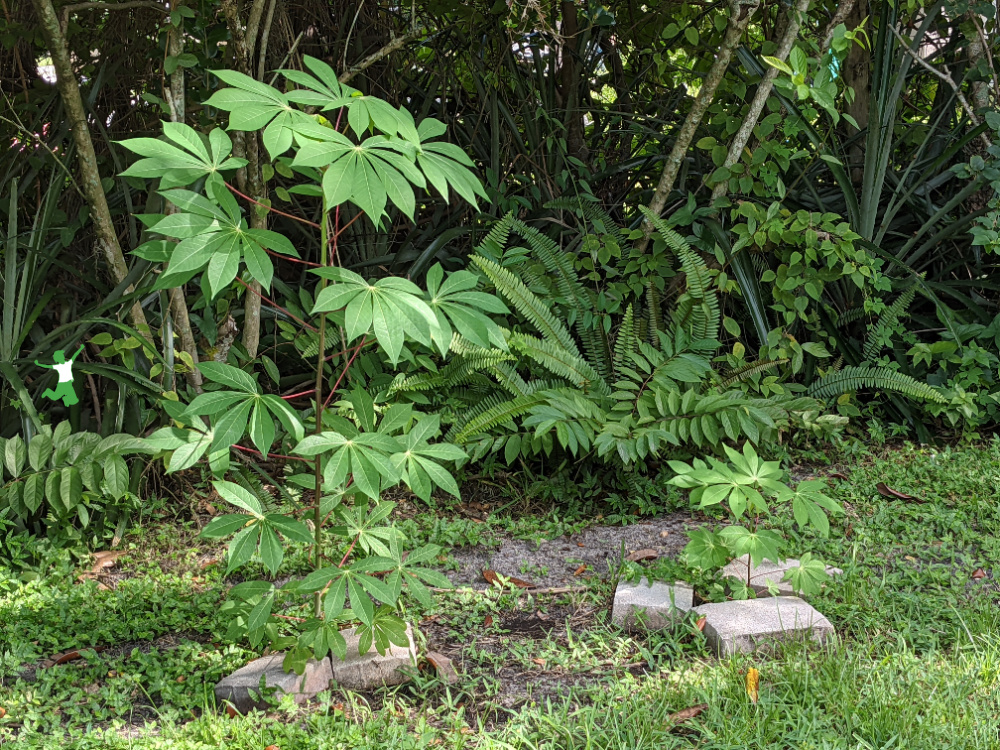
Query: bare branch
[[373, 58], [944, 76]]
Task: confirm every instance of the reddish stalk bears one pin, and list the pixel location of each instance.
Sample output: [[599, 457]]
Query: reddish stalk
[[344, 228], [274, 304], [270, 455], [343, 372], [300, 393], [271, 209]]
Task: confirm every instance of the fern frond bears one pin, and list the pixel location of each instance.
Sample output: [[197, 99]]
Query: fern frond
[[527, 303], [460, 370], [495, 241], [748, 371], [567, 282], [626, 342], [887, 320], [492, 413], [654, 313], [561, 362], [855, 378]]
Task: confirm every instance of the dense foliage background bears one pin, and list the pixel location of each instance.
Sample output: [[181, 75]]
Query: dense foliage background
[[819, 255]]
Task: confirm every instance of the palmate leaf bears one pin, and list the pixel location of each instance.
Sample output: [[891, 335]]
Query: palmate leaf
[[253, 105], [457, 305], [233, 412], [417, 461], [183, 157], [214, 237], [369, 174], [363, 456], [391, 309]]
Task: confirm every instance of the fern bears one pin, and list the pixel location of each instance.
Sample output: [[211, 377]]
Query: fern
[[886, 322], [852, 379], [492, 413], [527, 303], [561, 270], [748, 371], [559, 361], [626, 342]]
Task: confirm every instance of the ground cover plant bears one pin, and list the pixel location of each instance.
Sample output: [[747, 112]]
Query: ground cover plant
[[917, 663]]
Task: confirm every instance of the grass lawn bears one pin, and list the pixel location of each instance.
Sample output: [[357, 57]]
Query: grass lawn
[[917, 664]]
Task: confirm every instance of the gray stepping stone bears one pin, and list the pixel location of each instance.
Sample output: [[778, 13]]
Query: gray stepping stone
[[357, 672], [767, 572], [237, 687], [745, 626], [660, 603]]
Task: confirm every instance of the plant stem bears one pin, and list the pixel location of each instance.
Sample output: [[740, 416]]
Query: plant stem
[[320, 368]]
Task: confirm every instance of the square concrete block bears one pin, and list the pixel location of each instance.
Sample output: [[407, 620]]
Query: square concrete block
[[237, 687], [357, 672], [744, 626], [767, 571], [662, 603]]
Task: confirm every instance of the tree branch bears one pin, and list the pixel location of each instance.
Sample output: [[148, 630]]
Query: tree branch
[[742, 137], [388, 49], [740, 12], [90, 176], [946, 77]]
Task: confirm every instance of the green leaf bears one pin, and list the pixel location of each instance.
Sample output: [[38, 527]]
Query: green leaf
[[222, 526], [706, 549], [116, 476], [809, 576], [228, 375], [39, 451], [232, 425], [240, 497], [34, 492], [271, 551]]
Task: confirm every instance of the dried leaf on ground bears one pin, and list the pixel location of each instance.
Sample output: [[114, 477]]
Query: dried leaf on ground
[[642, 554], [753, 684], [488, 622], [580, 571], [3, 712], [442, 665], [978, 574], [700, 624], [539, 662], [664, 534], [687, 713], [838, 475], [232, 712], [493, 579], [887, 491]]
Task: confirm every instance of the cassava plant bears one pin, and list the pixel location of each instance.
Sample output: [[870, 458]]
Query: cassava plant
[[351, 454], [749, 486]]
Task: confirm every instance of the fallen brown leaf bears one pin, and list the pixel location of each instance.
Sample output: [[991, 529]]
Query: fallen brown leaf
[[642, 554], [978, 574], [753, 684], [838, 475], [181, 678], [580, 571], [539, 662], [272, 747], [887, 491], [232, 712], [687, 713], [541, 615], [664, 534], [488, 622], [3, 712], [494, 580], [700, 624], [442, 665], [580, 544]]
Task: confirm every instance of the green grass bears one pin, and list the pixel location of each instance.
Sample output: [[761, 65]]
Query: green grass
[[917, 665]]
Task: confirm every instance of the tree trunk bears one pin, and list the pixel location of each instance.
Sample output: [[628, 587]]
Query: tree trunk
[[742, 137], [243, 46], [739, 18], [90, 177], [178, 305]]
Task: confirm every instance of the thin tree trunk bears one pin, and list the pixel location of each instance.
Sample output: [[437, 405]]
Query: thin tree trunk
[[739, 18], [178, 305], [242, 51], [760, 98], [90, 176]]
